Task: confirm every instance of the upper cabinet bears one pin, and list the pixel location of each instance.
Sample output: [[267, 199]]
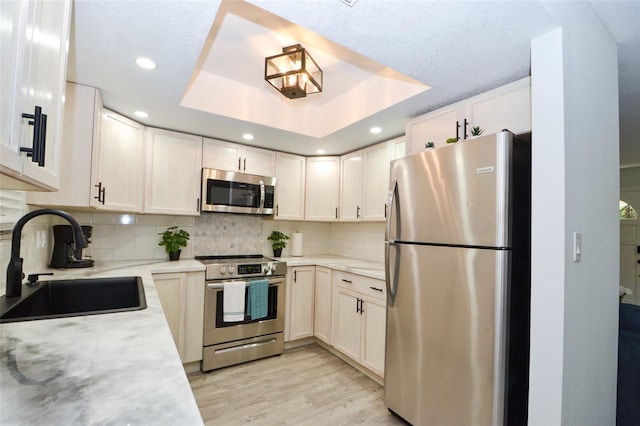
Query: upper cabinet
[[172, 184], [290, 186], [33, 70], [118, 165], [233, 157], [323, 188], [110, 162], [82, 113], [507, 107], [364, 181]]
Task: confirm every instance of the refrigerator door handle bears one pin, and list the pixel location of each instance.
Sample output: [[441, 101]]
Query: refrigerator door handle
[[391, 282], [392, 197]]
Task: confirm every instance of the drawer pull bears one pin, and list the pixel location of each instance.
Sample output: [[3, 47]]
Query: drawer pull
[[347, 281], [376, 289]]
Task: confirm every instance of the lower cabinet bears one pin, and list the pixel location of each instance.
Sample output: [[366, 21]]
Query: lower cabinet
[[182, 298], [359, 319], [322, 304], [300, 299]]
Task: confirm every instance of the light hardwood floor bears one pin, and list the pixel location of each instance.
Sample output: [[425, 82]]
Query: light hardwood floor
[[303, 386]]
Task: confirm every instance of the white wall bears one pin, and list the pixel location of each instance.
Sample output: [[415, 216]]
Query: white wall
[[575, 189]]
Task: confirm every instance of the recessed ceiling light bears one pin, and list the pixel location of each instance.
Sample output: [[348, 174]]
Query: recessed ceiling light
[[375, 130], [146, 63], [141, 114], [320, 151], [247, 137]]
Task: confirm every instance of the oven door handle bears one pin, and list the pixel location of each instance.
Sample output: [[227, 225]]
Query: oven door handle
[[220, 286]]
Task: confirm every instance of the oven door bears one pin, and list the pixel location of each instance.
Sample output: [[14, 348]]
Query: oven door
[[217, 331]]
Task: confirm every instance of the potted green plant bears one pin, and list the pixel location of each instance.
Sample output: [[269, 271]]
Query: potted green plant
[[476, 131], [278, 242], [430, 145], [173, 239]]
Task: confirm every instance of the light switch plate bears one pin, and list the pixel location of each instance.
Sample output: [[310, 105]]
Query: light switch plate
[[577, 246]]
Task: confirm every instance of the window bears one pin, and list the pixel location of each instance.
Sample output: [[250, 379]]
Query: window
[[627, 212]]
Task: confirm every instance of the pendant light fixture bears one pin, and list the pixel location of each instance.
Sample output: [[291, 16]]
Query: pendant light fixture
[[293, 73]]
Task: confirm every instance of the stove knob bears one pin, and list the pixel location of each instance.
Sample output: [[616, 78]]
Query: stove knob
[[223, 270], [267, 268], [232, 269]]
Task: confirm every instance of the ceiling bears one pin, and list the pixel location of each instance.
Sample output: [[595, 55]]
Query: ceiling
[[458, 49]]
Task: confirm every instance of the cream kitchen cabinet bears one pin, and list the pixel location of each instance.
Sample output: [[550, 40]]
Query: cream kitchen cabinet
[[101, 148], [322, 304], [82, 113], [351, 186], [34, 42], [506, 107], [322, 188], [290, 186], [182, 298], [173, 162], [222, 155], [118, 165], [359, 319], [364, 182], [300, 301]]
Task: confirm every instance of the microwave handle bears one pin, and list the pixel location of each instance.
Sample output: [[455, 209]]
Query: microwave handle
[[262, 196]]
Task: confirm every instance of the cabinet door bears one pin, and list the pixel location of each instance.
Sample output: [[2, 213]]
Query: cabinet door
[[47, 76], [81, 113], [118, 164], [322, 189], [192, 317], [33, 73], [169, 288], [377, 160], [258, 161], [290, 184], [374, 323], [182, 298], [436, 127], [173, 173], [322, 304], [346, 322], [302, 293], [507, 107], [221, 155], [351, 186]]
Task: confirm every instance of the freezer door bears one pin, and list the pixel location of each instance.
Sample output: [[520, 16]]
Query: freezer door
[[455, 195], [445, 335]]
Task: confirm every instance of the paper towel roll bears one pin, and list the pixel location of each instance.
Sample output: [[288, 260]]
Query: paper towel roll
[[296, 244]]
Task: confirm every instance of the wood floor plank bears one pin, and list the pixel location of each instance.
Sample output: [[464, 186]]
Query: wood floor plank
[[303, 386]]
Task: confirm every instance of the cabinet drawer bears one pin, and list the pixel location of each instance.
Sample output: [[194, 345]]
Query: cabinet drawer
[[363, 285]]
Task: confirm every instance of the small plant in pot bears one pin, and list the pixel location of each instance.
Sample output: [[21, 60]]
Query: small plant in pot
[[173, 239], [476, 131], [278, 242]]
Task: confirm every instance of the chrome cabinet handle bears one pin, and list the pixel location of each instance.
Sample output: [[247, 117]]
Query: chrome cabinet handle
[[101, 191]]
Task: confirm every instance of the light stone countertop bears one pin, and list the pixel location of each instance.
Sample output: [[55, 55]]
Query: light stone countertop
[[355, 266], [120, 368]]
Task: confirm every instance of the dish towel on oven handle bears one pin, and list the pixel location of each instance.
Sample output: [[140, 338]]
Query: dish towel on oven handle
[[233, 301], [258, 299]]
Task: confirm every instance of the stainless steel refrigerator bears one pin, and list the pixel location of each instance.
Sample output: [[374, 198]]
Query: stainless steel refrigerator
[[458, 283]]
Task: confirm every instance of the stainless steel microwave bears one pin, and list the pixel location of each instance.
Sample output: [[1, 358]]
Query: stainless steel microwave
[[234, 192]]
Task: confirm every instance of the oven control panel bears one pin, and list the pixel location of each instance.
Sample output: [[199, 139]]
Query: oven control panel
[[256, 268]]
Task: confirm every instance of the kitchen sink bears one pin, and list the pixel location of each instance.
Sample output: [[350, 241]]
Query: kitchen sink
[[69, 298]]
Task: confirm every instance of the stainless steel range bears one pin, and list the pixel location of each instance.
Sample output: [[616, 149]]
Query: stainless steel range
[[229, 343]]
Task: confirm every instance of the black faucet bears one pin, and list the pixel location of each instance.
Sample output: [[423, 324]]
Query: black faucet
[[14, 270]]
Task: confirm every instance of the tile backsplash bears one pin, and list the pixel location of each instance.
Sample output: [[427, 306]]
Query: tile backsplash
[[135, 236]]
